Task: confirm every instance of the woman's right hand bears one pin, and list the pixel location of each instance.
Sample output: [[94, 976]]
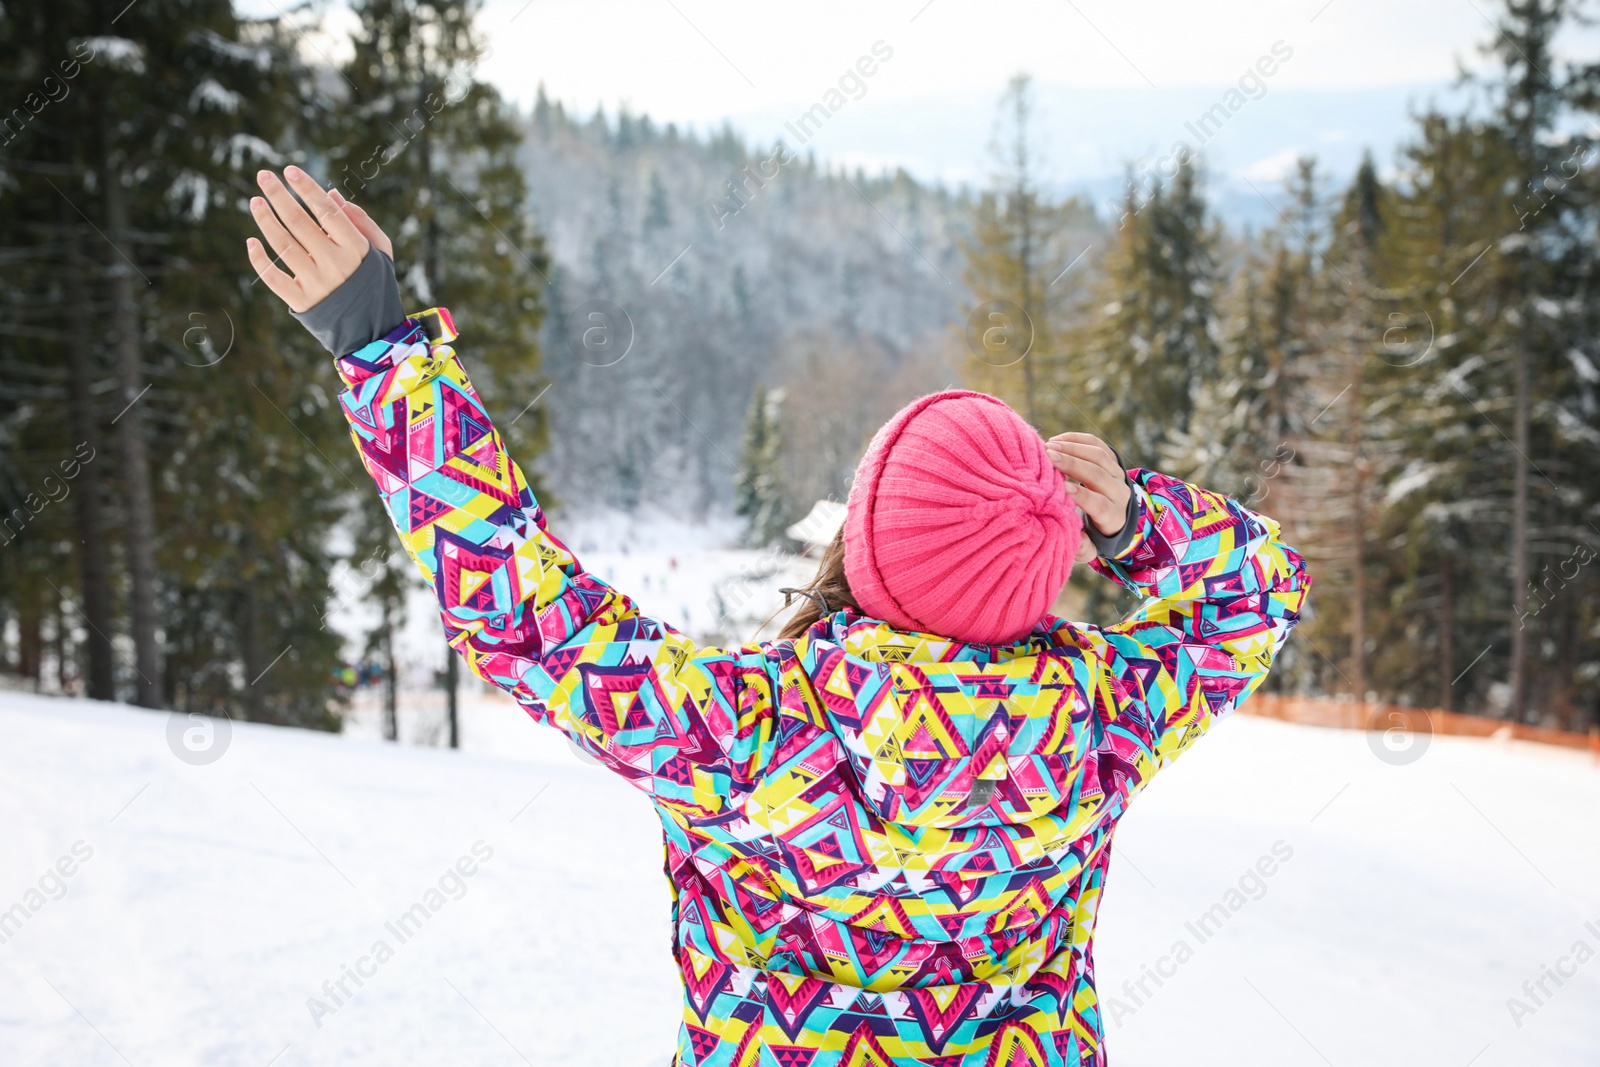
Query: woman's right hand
[[321, 251], [1096, 483]]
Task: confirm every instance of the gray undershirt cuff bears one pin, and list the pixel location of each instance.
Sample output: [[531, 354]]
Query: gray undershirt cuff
[[1110, 547], [360, 311]]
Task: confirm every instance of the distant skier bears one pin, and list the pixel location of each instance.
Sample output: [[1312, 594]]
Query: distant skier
[[887, 831]]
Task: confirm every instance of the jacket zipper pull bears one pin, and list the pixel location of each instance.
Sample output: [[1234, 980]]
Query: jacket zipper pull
[[982, 791]]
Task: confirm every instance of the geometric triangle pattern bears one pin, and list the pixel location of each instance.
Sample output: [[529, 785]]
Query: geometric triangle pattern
[[883, 847]]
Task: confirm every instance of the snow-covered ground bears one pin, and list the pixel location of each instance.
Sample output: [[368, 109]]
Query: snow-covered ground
[[211, 910]]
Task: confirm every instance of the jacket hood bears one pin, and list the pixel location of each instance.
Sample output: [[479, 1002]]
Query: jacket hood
[[947, 734]]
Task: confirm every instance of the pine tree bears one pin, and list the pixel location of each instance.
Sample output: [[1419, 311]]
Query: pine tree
[[1020, 246], [1533, 327], [758, 493], [1155, 339], [1500, 254], [1444, 502], [658, 212], [1245, 417]]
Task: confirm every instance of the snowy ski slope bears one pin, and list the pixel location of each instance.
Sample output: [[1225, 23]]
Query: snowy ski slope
[[211, 911]]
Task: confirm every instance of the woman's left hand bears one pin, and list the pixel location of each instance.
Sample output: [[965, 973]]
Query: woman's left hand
[[1095, 482]]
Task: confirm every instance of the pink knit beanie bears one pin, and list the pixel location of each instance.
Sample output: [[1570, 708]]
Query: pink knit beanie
[[957, 523]]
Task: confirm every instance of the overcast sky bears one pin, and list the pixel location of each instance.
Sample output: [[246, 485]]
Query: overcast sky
[[702, 59], [1117, 79]]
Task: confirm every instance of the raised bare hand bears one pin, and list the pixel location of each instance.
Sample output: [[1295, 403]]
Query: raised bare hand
[[1095, 482], [321, 247]]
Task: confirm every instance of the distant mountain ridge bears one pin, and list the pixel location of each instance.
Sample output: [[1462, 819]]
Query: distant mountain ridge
[[705, 259]]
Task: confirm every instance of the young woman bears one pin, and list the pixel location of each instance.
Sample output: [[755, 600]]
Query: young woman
[[887, 831]]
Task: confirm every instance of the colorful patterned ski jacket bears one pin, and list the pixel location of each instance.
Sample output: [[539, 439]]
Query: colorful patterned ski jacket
[[845, 892]]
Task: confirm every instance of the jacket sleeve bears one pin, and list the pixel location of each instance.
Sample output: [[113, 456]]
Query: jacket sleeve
[[1221, 593], [688, 725]]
